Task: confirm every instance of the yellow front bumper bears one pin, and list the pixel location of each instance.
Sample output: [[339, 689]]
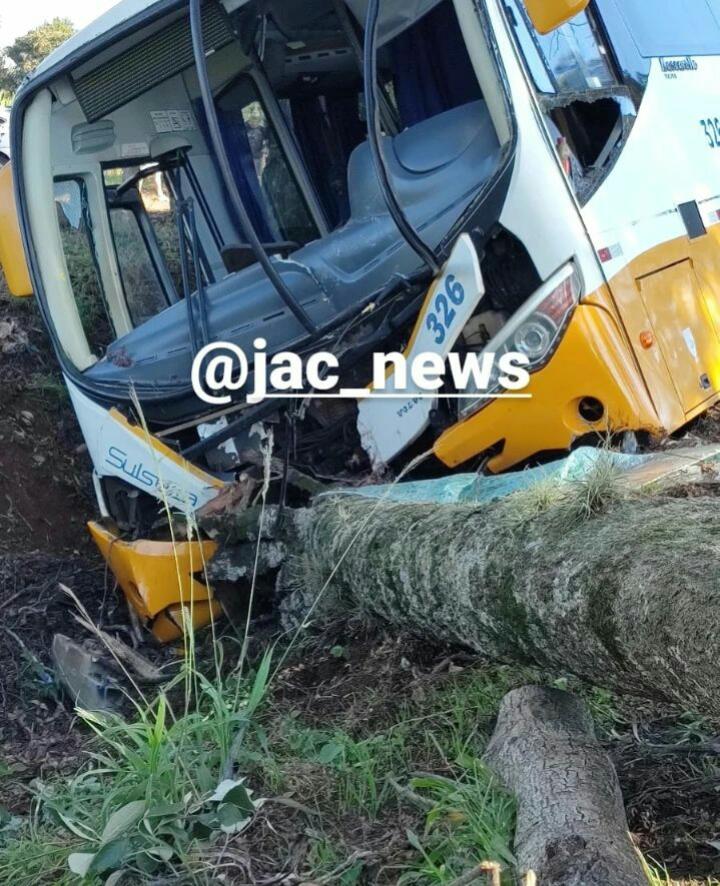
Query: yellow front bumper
[[593, 360], [159, 580]]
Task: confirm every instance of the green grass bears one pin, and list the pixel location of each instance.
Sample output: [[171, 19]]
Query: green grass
[[470, 819], [145, 804], [462, 815], [658, 876], [451, 723], [598, 490], [39, 856], [50, 386], [157, 788]]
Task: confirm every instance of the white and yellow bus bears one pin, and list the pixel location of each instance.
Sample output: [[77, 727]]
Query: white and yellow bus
[[305, 172]]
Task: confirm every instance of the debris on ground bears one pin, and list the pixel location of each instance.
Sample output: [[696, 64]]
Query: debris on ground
[[367, 746]]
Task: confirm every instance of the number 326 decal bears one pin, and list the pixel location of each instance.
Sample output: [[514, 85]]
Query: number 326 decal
[[442, 319], [712, 131]]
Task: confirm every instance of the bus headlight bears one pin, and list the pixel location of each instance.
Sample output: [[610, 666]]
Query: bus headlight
[[537, 328], [533, 339]]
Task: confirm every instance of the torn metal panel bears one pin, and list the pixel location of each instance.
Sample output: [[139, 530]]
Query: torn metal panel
[[158, 576], [88, 682]]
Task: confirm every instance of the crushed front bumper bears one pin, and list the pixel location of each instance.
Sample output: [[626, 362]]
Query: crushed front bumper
[[592, 361], [161, 580]]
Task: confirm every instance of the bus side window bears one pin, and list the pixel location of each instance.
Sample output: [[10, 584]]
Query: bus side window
[[587, 107], [79, 248], [634, 67]]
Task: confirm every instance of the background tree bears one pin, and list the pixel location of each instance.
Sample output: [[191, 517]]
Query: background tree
[[25, 54]]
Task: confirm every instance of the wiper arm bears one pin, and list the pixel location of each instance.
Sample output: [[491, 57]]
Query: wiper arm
[[221, 153], [372, 87], [196, 342]]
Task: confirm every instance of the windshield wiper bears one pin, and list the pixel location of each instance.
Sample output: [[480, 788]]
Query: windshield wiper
[[222, 158]]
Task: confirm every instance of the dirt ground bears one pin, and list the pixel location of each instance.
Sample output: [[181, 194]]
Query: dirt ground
[[44, 503], [672, 796], [667, 760]]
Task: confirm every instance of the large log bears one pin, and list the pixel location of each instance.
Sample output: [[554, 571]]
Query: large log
[[571, 827], [628, 598]]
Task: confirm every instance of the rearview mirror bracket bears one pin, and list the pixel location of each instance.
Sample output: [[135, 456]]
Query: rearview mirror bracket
[[547, 15]]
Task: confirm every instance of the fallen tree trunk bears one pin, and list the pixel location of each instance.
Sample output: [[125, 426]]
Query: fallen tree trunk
[[571, 828], [628, 598]]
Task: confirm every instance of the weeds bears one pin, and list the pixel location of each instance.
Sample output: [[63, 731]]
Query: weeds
[[160, 792], [38, 856], [659, 876], [565, 502], [160, 786], [51, 386], [152, 792], [597, 491], [449, 724], [534, 501], [470, 819]]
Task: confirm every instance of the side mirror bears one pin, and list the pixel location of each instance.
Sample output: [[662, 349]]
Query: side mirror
[[12, 254], [546, 15]]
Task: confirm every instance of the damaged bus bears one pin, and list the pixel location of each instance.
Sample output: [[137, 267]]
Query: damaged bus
[[312, 173]]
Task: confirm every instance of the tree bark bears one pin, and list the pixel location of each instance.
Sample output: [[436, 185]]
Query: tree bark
[[628, 599], [571, 829]]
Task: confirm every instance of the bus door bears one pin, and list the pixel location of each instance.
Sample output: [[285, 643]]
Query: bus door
[[650, 217]]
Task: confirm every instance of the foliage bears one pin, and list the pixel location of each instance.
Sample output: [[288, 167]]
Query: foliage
[[470, 818], [658, 876], [370, 773], [25, 54], [155, 791]]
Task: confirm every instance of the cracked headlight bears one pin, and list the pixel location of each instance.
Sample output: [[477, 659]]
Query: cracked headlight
[[536, 329]]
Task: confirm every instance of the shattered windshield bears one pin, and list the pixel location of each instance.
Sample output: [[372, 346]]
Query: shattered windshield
[[570, 59]]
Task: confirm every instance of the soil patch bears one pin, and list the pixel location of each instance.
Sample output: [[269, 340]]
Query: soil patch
[[356, 678], [45, 501]]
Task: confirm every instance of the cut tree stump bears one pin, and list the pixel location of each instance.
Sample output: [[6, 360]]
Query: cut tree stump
[[571, 829]]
